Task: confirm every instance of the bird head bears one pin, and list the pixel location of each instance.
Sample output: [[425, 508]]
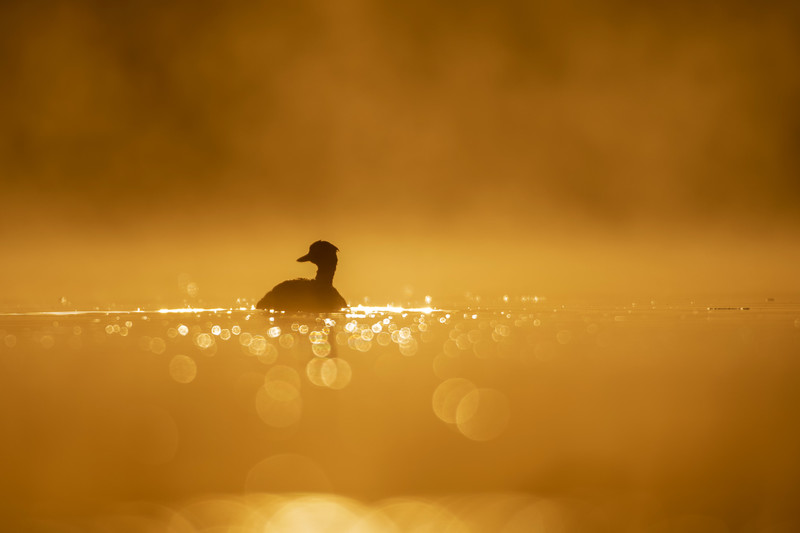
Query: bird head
[[320, 252]]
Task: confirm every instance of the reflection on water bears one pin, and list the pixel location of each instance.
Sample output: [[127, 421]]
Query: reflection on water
[[534, 417]]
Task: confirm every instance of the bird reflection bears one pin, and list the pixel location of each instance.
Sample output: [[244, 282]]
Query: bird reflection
[[309, 295]]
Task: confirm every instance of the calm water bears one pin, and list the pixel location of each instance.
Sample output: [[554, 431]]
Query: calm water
[[527, 416]]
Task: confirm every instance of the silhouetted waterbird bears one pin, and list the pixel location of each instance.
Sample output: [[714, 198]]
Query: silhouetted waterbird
[[310, 295]]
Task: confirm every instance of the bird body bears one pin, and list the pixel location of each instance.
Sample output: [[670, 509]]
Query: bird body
[[303, 295], [309, 295]]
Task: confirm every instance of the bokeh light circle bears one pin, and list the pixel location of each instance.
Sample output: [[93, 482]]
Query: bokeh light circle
[[483, 414], [182, 368], [447, 397], [336, 373]]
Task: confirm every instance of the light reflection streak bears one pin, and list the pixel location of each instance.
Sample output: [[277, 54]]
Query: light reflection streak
[[186, 310], [359, 311], [362, 311]]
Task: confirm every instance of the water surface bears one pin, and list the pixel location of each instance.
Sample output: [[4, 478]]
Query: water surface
[[529, 415]]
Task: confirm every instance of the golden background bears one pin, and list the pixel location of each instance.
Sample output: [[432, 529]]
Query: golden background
[[551, 147], [598, 200]]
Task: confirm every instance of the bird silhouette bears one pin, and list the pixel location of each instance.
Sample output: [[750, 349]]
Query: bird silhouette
[[310, 295]]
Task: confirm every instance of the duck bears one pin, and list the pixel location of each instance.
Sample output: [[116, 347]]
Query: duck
[[309, 295]]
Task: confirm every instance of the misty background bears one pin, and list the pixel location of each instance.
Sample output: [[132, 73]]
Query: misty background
[[495, 148]]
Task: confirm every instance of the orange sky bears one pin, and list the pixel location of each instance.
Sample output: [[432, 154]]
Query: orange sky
[[506, 146]]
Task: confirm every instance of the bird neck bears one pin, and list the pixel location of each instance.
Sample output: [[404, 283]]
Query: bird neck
[[325, 273]]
